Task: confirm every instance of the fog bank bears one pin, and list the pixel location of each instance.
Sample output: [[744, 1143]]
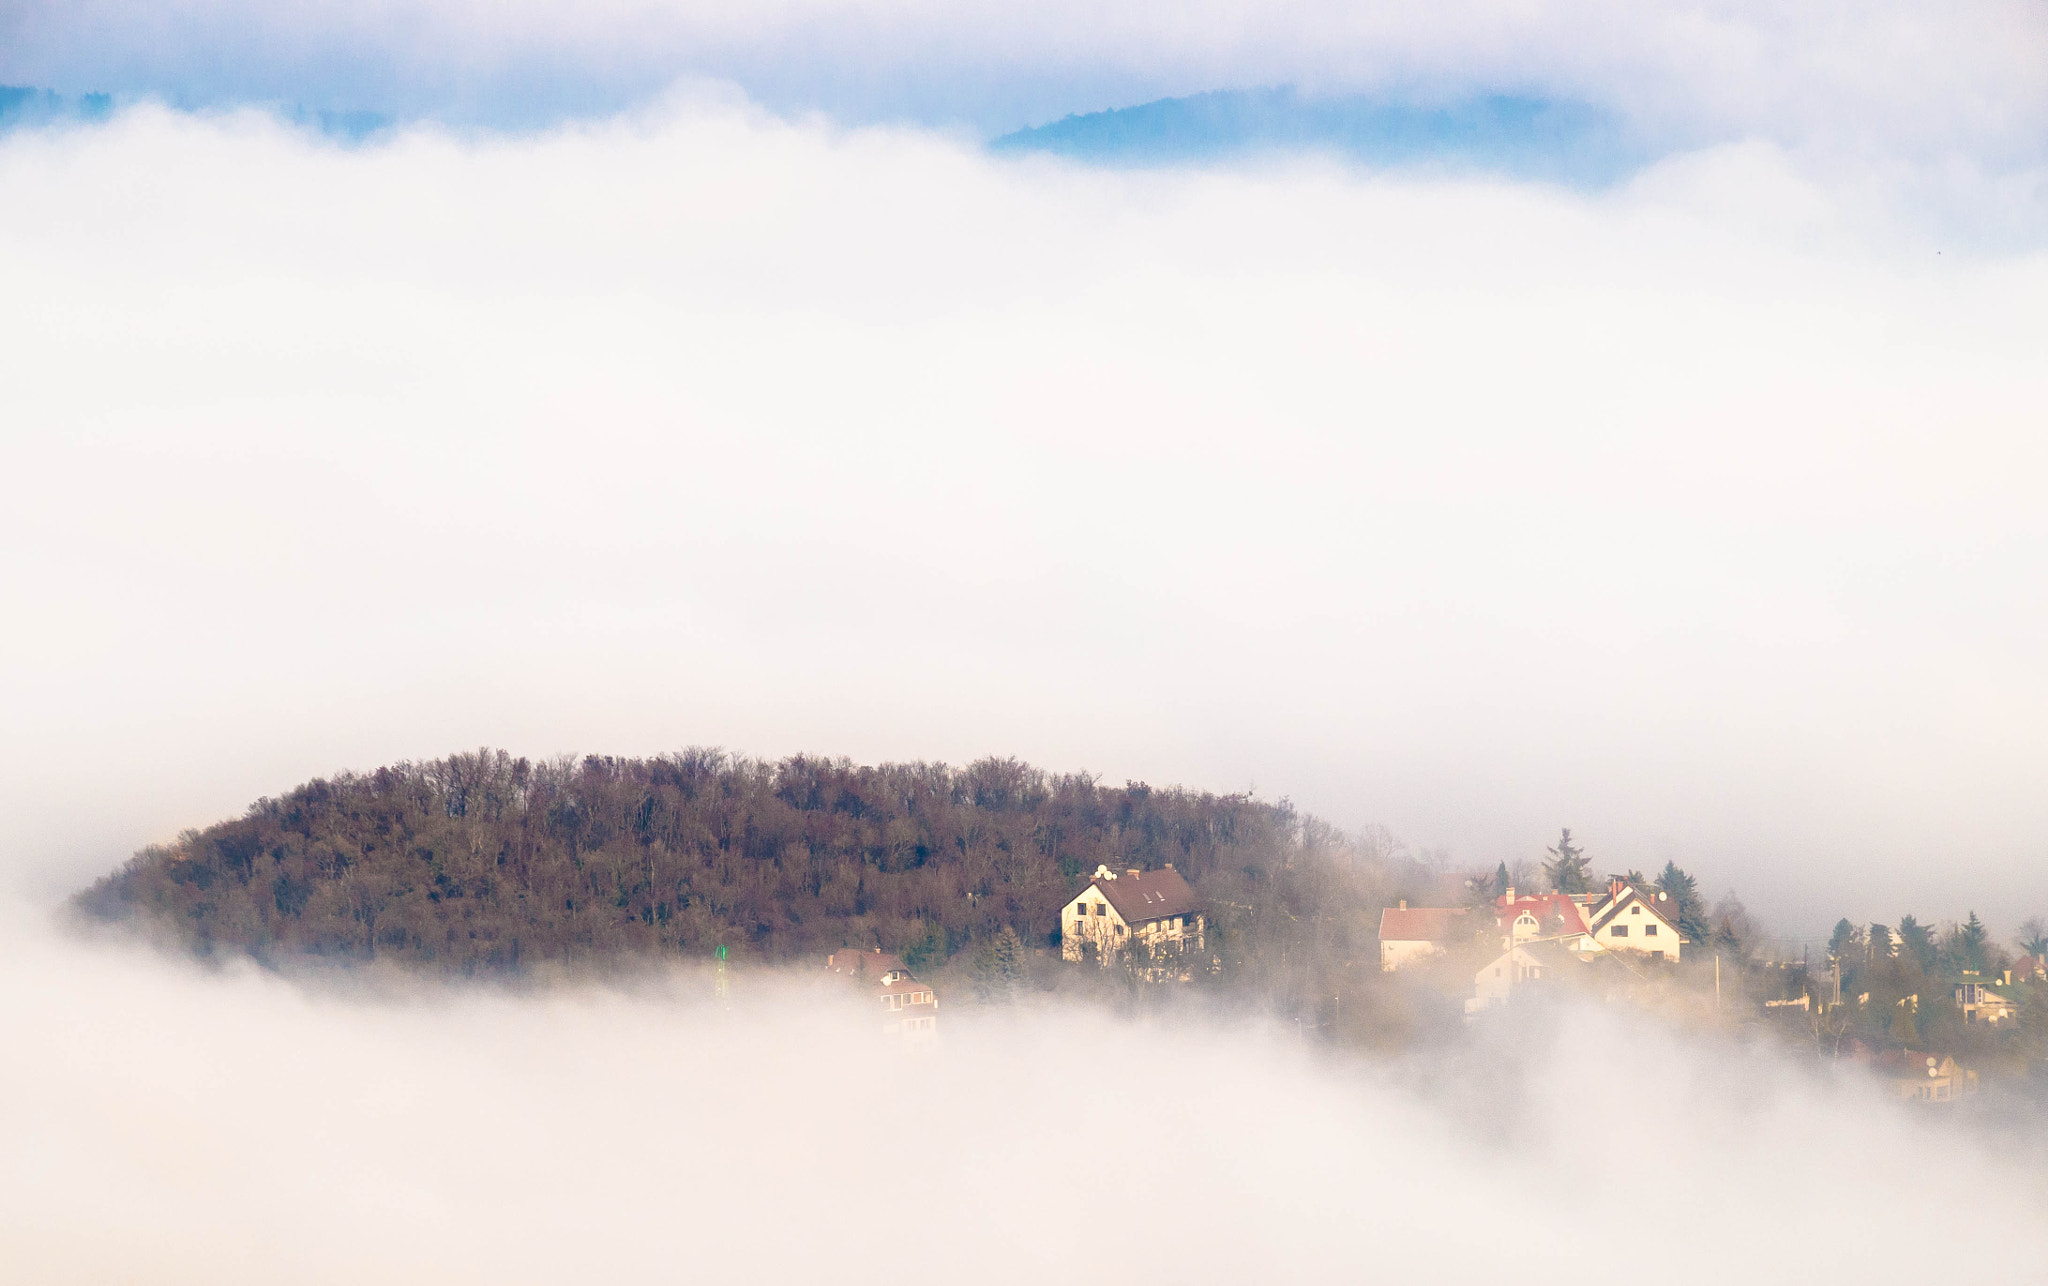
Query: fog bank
[[168, 1125], [1701, 517]]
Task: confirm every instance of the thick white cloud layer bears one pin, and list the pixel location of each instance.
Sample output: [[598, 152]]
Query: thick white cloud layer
[[1703, 517], [169, 1127]]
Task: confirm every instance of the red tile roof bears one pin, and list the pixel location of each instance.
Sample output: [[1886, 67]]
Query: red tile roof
[[1555, 914], [1423, 924]]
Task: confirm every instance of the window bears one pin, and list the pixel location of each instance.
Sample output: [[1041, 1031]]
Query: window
[[1649, 930], [1618, 931], [1635, 910]]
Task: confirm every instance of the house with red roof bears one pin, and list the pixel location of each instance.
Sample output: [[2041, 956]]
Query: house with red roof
[[1540, 917], [1412, 935], [1123, 915]]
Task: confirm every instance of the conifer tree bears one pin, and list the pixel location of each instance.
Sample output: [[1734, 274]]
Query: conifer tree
[[1684, 892], [1843, 942], [1968, 945], [1567, 872], [1916, 942]]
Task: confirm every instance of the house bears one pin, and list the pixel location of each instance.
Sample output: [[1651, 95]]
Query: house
[[2028, 969], [1410, 935], [1633, 919], [1919, 1075], [1550, 917], [1981, 1004], [909, 1007], [1522, 965], [1119, 913]]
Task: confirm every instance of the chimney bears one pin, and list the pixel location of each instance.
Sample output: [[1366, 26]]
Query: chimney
[[1404, 904], [1511, 894]]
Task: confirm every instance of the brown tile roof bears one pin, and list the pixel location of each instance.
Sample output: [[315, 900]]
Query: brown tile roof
[[1655, 903], [1148, 895], [1423, 924], [862, 964]]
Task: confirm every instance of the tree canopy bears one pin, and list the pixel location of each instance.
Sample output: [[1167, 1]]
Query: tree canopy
[[482, 862]]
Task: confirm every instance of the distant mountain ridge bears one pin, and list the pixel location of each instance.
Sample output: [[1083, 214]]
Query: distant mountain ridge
[[1521, 137], [27, 105]]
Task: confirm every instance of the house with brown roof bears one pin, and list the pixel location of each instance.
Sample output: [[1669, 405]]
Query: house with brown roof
[[909, 1007], [1638, 920], [1121, 914], [1413, 935], [1919, 1075]]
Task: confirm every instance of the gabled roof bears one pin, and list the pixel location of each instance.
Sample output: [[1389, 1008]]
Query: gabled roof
[[1423, 924], [1147, 895], [870, 965], [1619, 895], [904, 984], [1555, 914]]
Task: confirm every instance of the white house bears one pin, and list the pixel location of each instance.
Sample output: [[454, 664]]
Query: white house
[[1540, 917], [1633, 919], [1521, 965], [1153, 911], [1411, 935]]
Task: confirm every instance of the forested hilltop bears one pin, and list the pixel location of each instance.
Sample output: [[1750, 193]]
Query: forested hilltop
[[483, 862]]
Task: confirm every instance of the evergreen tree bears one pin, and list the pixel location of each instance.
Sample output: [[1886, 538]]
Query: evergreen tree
[[1916, 942], [1905, 1029], [1567, 873], [1879, 941], [1691, 908], [1501, 880], [1970, 943], [1844, 941], [999, 968]]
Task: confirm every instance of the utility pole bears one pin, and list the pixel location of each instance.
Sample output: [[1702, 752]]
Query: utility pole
[[721, 986]]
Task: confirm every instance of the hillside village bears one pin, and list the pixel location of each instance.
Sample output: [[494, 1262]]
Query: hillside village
[[1972, 1009], [994, 882]]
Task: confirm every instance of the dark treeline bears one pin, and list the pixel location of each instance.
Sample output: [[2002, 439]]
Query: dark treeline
[[483, 862]]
